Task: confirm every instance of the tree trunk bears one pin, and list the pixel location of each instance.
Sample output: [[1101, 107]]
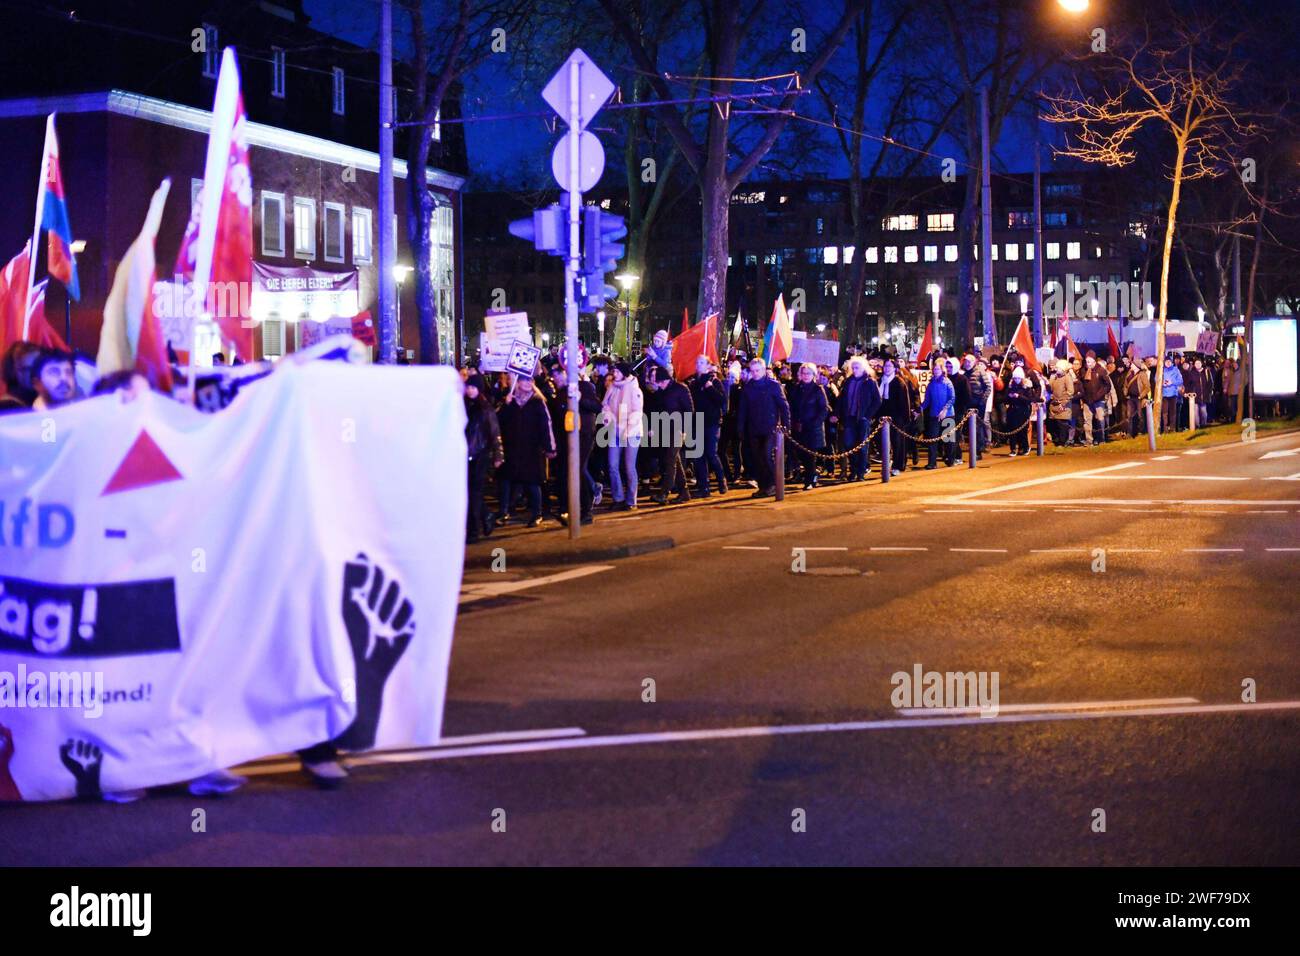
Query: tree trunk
[[715, 211], [1242, 367], [1165, 257]]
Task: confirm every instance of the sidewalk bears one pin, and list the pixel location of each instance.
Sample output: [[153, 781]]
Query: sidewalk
[[651, 528]]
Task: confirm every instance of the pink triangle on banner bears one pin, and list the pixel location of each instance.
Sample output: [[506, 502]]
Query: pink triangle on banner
[[145, 464]]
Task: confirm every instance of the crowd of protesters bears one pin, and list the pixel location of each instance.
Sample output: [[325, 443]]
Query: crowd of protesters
[[832, 418]]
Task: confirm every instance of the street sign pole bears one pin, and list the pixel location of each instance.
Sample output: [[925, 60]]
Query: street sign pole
[[571, 269]]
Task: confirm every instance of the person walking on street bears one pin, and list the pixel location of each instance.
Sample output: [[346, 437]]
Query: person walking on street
[[809, 409], [763, 409], [1094, 389], [858, 404]]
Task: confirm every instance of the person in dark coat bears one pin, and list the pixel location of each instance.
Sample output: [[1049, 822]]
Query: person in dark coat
[[1021, 395], [858, 405], [588, 408], [809, 409], [961, 401], [483, 444], [896, 403], [710, 394], [528, 442], [671, 409], [763, 409]]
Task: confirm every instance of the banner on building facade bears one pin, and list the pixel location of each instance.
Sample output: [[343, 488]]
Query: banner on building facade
[[181, 592]]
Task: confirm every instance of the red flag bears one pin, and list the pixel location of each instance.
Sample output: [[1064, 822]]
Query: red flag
[[1053, 342], [694, 342], [1111, 342], [1023, 343], [927, 342], [363, 328], [19, 311], [686, 318]]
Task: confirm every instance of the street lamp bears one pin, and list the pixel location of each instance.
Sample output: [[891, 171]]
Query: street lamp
[[821, 326], [600, 325], [399, 276], [1073, 6], [933, 290], [626, 280]]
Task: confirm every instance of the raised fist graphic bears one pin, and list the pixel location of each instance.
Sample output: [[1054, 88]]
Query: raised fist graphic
[[83, 760], [8, 789], [380, 623]]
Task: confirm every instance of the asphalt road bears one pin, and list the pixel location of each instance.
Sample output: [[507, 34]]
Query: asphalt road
[[1121, 601]]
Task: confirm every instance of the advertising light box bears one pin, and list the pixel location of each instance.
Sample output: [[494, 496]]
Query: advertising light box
[[1273, 367]]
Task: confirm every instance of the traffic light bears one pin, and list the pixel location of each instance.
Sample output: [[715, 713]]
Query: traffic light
[[600, 255], [546, 229]]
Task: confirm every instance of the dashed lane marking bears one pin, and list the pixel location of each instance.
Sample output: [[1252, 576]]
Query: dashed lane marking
[[478, 591], [1050, 708]]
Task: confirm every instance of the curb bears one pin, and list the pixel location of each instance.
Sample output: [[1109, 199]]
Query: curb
[[580, 555]]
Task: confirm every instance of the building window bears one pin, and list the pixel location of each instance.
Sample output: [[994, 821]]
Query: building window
[[340, 102], [993, 250], [830, 254], [940, 222], [949, 253], [891, 253], [1056, 219], [1013, 251], [272, 338], [821, 225], [1071, 250], [211, 51], [1029, 251], [909, 254], [1096, 253], [900, 224], [277, 72], [437, 124], [931, 253], [361, 235], [1074, 190], [873, 254], [272, 224], [848, 255], [1013, 284], [1020, 219], [334, 232], [304, 228], [1053, 250], [870, 287]]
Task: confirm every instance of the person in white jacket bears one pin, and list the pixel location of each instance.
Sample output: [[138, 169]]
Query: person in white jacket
[[621, 431]]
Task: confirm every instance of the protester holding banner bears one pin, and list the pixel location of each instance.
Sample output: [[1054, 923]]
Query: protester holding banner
[[528, 442]]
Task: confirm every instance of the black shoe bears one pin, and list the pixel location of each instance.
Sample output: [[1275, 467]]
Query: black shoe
[[684, 498], [931, 467], [700, 493], [588, 519], [764, 493], [471, 539], [534, 522], [722, 487], [620, 506], [488, 527], [659, 499]]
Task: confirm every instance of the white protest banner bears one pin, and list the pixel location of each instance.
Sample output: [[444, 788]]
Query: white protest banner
[[502, 330], [181, 592], [817, 351], [523, 358]]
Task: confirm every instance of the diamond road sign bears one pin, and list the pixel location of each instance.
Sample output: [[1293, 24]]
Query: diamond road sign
[[594, 89]]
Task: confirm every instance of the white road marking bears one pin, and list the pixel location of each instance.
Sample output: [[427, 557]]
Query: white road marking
[[1050, 708], [1035, 482], [822, 549], [745, 547], [1077, 511], [1012, 511], [1145, 501], [1212, 550], [1195, 451], [1162, 478], [1295, 477], [900, 549], [951, 511], [1278, 512], [1282, 549], [481, 590], [980, 550], [1058, 550], [1284, 453], [282, 763], [900, 723], [1133, 550], [1164, 457]]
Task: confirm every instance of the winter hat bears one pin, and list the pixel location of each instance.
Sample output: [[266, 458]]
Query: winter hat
[[1018, 374], [625, 368], [1062, 365], [661, 338]]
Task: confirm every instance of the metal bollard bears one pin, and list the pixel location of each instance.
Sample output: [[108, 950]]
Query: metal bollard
[[1039, 425], [780, 465], [1151, 426], [973, 438], [1191, 412], [886, 452]]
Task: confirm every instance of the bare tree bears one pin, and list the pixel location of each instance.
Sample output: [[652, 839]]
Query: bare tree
[[1184, 84], [725, 29]]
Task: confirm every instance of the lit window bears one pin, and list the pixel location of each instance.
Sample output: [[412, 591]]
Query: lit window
[[1071, 250], [909, 254], [1029, 251], [870, 287], [1013, 284], [993, 248], [900, 223], [340, 103], [940, 222], [304, 228], [277, 72], [873, 254], [949, 253], [272, 224], [361, 235], [831, 255], [848, 255], [1053, 250], [891, 253], [931, 253], [1013, 251]]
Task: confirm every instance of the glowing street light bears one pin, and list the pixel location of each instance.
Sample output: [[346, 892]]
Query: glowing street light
[[1073, 6]]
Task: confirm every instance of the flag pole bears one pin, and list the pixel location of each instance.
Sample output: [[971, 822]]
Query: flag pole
[[36, 226]]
